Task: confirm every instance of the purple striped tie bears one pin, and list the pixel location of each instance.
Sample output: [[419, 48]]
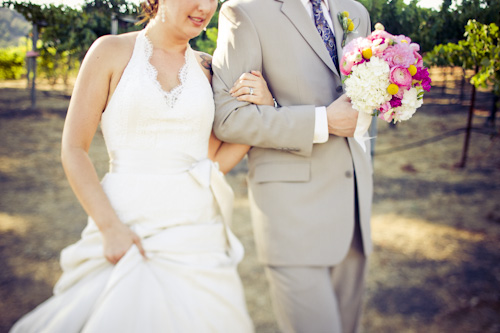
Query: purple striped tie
[[325, 32]]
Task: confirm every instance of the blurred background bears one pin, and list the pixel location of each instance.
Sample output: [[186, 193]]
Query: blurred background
[[436, 213]]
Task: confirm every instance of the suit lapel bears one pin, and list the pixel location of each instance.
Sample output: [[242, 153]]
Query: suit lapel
[[337, 27], [297, 15]]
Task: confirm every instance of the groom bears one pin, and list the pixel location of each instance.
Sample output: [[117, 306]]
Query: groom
[[310, 183]]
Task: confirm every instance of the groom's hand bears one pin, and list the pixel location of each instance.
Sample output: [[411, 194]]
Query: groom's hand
[[341, 117]]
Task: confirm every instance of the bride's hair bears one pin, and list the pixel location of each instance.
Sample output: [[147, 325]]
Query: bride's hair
[[149, 10]]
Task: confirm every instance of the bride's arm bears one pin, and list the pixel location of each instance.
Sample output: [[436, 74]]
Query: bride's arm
[[87, 103], [227, 155], [251, 88]]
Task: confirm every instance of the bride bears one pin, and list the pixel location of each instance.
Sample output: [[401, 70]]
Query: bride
[[157, 254]]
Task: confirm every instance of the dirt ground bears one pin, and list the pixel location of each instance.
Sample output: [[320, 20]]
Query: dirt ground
[[436, 227]]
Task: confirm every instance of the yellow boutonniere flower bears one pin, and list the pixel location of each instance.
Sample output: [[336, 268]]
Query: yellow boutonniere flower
[[348, 25]]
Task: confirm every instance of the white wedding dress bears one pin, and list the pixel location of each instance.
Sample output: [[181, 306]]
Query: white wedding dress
[[163, 186]]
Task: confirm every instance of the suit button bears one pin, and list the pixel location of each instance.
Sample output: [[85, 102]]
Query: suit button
[[348, 174], [339, 89]]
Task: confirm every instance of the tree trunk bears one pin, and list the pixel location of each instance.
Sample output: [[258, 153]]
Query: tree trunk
[[462, 86], [490, 121], [33, 61], [469, 126]]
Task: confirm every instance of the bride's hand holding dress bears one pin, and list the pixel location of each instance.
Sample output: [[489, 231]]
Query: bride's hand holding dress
[[96, 82]]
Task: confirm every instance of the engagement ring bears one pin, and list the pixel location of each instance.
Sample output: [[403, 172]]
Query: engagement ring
[[251, 91]]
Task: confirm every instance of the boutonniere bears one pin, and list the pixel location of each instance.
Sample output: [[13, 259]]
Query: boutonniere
[[348, 25]]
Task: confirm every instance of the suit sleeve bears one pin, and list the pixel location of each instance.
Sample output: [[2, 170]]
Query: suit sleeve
[[289, 128]]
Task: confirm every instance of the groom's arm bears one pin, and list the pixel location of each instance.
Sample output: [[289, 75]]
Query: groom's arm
[[289, 128]]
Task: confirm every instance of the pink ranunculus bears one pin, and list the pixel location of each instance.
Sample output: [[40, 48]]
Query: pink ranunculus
[[365, 44], [380, 34], [399, 55], [346, 65], [418, 57], [385, 107], [388, 116], [400, 76], [378, 46], [350, 59], [353, 46], [401, 92], [415, 47], [400, 38]]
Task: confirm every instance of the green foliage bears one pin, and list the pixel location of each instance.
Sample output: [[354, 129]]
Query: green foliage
[[13, 26], [483, 44], [12, 65], [429, 27], [66, 33], [209, 43], [54, 65], [207, 40], [480, 51], [96, 18]]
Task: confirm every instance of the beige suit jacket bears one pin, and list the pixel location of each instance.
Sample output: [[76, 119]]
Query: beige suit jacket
[[302, 194]]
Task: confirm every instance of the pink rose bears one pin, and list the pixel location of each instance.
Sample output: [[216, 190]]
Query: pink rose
[[400, 76]]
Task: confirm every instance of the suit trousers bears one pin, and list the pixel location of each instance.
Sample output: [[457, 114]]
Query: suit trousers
[[313, 299]]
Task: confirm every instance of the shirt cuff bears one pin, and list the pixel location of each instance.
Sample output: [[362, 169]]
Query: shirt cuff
[[320, 125]]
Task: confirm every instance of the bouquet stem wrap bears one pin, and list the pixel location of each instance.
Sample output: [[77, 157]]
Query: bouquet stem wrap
[[362, 125]]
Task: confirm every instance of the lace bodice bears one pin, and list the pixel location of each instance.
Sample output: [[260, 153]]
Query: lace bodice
[[141, 116]]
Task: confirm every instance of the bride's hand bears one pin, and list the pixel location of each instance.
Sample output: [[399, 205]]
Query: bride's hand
[[251, 87], [117, 241]]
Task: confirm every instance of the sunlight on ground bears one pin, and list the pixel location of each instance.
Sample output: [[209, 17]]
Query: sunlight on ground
[[16, 224], [420, 238], [9, 164]]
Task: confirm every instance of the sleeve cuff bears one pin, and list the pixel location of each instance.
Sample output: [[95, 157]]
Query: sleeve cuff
[[320, 125]]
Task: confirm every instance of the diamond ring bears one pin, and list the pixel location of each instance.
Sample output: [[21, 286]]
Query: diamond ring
[[251, 91]]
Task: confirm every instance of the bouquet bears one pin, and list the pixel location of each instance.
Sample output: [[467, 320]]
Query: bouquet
[[385, 77]]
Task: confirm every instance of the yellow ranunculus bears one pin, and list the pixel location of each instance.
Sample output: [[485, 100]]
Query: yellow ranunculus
[[345, 14], [412, 69], [392, 89], [350, 25], [367, 53]]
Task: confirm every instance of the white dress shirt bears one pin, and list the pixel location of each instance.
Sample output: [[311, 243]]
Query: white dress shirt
[[321, 122]]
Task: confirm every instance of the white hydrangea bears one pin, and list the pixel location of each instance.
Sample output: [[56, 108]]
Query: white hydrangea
[[409, 104], [367, 85]]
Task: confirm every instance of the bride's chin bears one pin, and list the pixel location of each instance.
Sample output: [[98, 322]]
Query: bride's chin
[[193, 33]]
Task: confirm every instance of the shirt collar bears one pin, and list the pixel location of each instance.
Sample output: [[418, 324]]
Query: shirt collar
[[307, 3]]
